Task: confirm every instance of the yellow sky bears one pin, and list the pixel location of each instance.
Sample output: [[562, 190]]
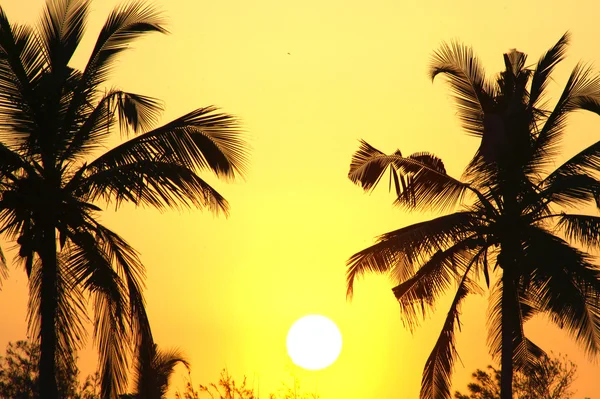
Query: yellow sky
[[309, 79]]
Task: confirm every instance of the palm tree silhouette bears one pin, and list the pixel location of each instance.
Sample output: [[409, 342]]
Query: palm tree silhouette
[[54, 121], [152, 377], [513, 222]]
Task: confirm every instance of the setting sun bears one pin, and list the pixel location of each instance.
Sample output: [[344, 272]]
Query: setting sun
[[314, 342]]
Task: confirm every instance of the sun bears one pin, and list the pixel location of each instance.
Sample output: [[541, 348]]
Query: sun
[[314, 342]]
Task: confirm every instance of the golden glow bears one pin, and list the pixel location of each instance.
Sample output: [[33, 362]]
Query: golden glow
[[308, 79], [314, 342]]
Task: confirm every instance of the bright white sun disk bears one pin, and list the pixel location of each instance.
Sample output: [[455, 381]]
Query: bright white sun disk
[[314, 342]]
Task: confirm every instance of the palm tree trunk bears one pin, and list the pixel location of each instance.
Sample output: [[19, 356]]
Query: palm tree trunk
[[508, 299], [48, 304]]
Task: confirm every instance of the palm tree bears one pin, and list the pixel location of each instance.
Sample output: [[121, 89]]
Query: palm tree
[[512, 231], [152, 377], [54, 120]]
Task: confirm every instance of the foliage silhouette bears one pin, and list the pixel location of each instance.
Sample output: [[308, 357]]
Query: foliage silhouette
[[152, 379], [228, 388], [19, 376], [512, 206], [550, 378], [55, 120]]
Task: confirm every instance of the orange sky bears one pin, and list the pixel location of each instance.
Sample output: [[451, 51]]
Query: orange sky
[[309, 79]]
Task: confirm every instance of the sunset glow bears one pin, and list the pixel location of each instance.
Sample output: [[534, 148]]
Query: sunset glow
[[307, 80]]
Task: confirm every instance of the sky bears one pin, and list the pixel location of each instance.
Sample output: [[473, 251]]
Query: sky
[[309, 79]]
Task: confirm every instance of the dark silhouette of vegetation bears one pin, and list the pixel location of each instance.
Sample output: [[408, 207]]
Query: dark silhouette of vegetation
[[509, 232], [228, 388], [55, 120], [152, 380], [550, 378], [19, 376]]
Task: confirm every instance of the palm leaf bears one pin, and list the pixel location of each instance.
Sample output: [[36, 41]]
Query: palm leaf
[[401, 250], [124, 24], [437, 374], [582, 92], [584, 229], [200, 139], [152, 380], [20, 61], [61, 30], [134, 111], [565, 284], [544, 69], [92, 268], [467, 81], [566, 190], [419, 293], [425, 182], [158, 184]]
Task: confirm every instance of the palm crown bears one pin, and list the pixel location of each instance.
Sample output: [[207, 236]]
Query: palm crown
[[514, 231], [54, 119]]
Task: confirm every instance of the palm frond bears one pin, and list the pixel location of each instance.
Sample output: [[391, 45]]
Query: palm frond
[[202, 139], [91, 267], [404, 249], [423, 178], [436, 382], [370, 173], [124, 24], [466, 77], [565, 284], [152, 380], [134, 111], [567, 190], [584, 229], [61, 29], [582, 92], [21, 60], [544, 69], [154, 183], [587, 160], [418, 294]]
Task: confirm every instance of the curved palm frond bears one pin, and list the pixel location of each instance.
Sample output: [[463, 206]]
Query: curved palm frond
[[158, 184], [419, 293], [133, 110], [202, 139], [584, 229], [21, 60], [467, 81], [436, 381], [565, 284], [421, 180], [544, 69], [92, 268], [587, 160], [401, 249], [124, 24], [61, 29], [152, 380], [566, 190], [582, 92]]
